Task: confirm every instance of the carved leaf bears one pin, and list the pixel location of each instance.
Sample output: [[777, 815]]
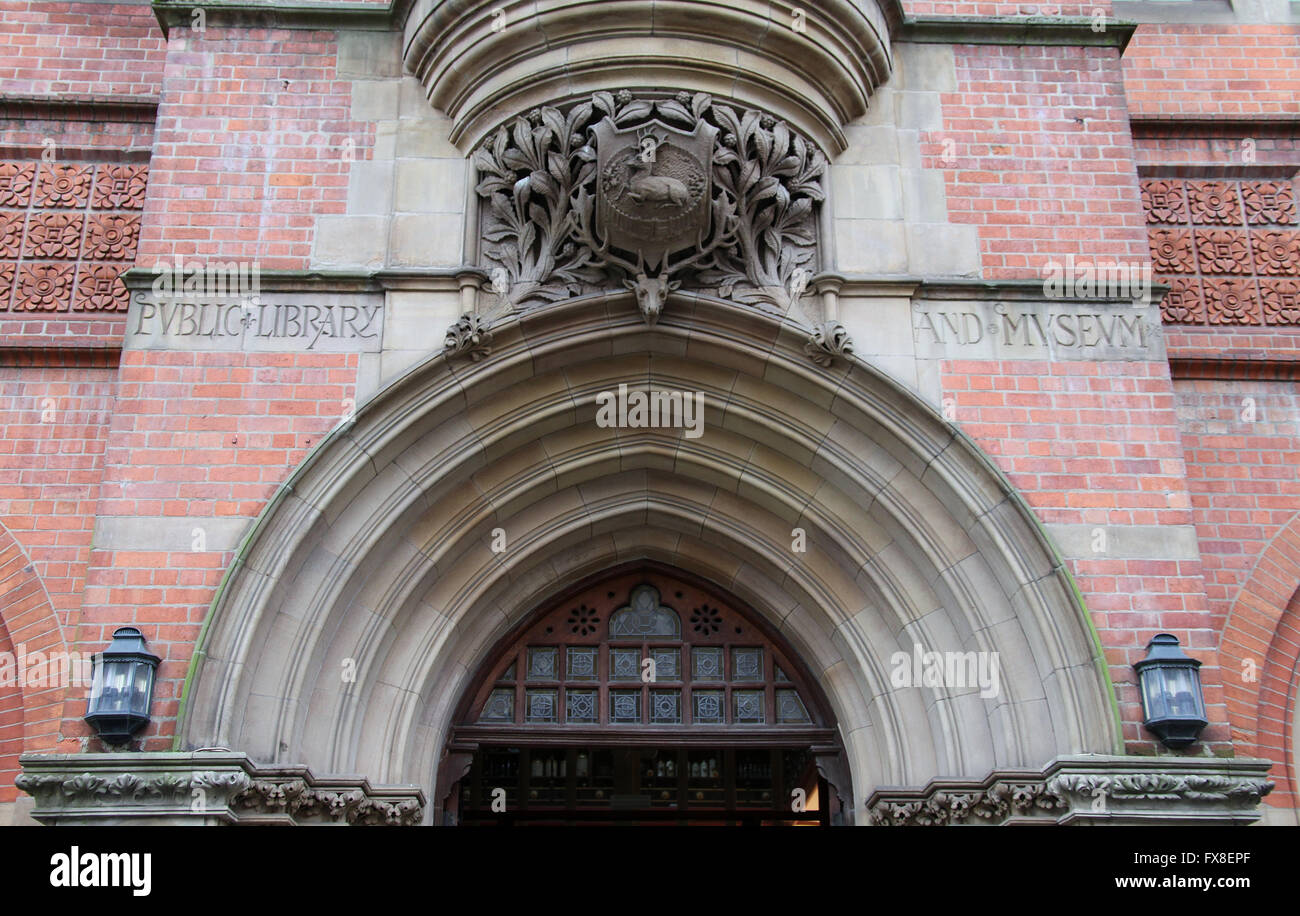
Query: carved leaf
[[675, 111], [538, 177], [634, 111], [554, 123]]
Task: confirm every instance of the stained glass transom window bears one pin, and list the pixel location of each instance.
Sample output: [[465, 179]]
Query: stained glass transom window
[[747, 664], [706, 664], [582, 664], [708, 706], [541, 706], [618, 655], [665, 706], [644, 617], [624, 664], [581, 705], [668, 664], [541, 664], [625, 706], [500, 706]]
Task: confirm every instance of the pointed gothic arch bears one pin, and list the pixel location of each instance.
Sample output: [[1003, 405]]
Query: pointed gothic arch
[[377, 553]]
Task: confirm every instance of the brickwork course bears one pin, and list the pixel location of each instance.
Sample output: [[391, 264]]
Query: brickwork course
[[129, 471]]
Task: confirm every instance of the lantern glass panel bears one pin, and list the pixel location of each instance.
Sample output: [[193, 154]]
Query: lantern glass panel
[[1171, 692], [142, 687]]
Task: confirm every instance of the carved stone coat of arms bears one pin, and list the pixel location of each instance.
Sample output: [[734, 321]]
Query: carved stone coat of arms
[[653, 187], [647, 193]]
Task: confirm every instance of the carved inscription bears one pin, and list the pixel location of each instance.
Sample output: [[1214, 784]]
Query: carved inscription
[[971, 330], [341, 323]]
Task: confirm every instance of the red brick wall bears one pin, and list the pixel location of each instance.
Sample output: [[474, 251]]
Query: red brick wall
[[240, 169], [81, 49], [1242, 473], [1213, 70], [1039, 157], [1097, 444], [197, 436], [55, 421]]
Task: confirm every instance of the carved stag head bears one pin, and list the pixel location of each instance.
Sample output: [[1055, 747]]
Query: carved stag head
[[650, 294]]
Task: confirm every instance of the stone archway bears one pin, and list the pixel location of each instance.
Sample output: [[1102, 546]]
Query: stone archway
[[28, 616], [376, 556], [1260, 655]]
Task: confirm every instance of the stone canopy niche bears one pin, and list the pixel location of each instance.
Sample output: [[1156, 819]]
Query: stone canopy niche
[[813, 63]]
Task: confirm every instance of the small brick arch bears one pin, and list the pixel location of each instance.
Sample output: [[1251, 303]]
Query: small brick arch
[[1260, 654], [28, 617]]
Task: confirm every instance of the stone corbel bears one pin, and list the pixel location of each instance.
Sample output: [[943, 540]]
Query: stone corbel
[[471, 334], [828, 340]]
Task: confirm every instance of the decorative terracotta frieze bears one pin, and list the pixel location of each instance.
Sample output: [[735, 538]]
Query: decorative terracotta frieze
[[1226, 249], [67, 232]]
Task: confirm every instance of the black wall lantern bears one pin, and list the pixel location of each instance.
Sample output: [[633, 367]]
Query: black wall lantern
[[1171, 692], [121, 690]]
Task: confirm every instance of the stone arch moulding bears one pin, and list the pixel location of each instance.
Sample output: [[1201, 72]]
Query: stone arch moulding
[[813, 63], [375, 557], [1260, 655], [27, 613]]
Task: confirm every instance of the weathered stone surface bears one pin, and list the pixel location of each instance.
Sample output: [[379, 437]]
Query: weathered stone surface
[[266, 322], [206, 788], [1091, 789]]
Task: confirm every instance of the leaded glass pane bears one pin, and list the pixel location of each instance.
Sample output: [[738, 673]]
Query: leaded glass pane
[[781, 675], [747, 706], [666, 706], [541, 706], [500, 706], [789, 708], [644, 617], [707, 706], [706, 664], [582, 664], [624, 664], [509, 674], [580, 705], [541, 663], [668, 664], [625, 706], [747, 664]]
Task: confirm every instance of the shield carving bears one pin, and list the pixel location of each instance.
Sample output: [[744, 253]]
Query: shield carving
[[653, 188]]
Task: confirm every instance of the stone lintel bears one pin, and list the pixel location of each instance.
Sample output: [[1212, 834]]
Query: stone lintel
[[204, 788], [1094, 789]]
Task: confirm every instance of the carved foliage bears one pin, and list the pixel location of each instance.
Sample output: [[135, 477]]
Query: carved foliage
[[1049, 798], [293, 796], [472, 335], [827, 342], [537, 179]]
